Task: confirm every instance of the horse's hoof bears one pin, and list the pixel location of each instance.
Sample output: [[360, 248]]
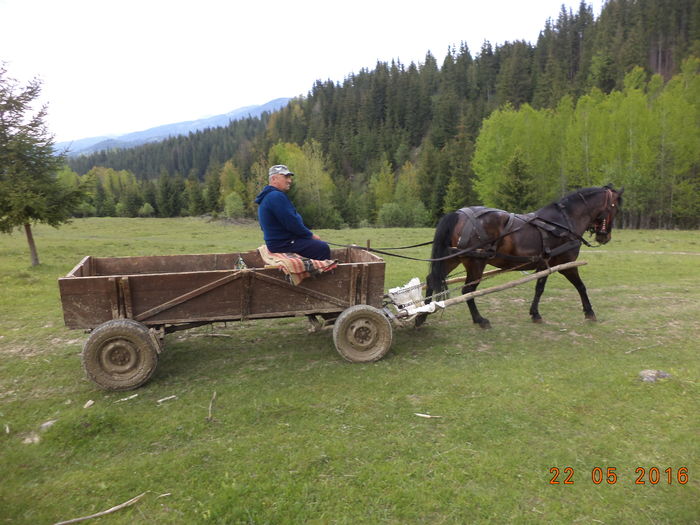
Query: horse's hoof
[[484, 324], [537, 319], [591, 317], [420, 319]]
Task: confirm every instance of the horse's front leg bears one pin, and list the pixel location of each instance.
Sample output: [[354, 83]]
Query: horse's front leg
[[436, 284], [475, 270], [572, 275], [535, 306]]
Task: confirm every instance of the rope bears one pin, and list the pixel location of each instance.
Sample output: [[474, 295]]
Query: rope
[[392, 248], [461, 253]]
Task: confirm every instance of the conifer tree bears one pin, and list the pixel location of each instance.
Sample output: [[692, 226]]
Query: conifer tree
[[515, 194], [29, 190]]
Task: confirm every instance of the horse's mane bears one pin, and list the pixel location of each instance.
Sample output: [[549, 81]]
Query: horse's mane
[[572, 197]]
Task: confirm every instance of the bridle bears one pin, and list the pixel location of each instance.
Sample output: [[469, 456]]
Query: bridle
[[605, 219]]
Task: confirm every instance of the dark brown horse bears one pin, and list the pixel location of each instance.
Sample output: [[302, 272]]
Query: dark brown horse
[[477, 236]]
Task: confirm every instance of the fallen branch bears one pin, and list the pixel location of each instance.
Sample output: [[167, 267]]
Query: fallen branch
[[640, 348], [105, 512], [428, 416], [166, 399], [126, 398], [211, 406]]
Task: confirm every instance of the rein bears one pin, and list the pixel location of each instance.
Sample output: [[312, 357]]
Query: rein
[[470, 252]]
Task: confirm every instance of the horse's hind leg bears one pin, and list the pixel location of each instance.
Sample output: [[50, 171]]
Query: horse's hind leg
[[572, 275], [535, 306], [475, 269]]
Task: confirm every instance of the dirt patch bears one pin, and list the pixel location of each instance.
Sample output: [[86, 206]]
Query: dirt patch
[[38, 348], [22, 350]]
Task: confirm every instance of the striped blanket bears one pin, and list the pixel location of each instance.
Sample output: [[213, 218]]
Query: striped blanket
[[295, 267]]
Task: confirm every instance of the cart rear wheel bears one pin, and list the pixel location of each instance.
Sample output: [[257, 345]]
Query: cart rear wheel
[[120, 355], [362, 334]]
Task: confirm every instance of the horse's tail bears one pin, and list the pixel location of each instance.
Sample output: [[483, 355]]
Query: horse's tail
[[441, 248]]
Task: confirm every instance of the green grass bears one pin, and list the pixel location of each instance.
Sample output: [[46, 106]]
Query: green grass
[[301, 436]]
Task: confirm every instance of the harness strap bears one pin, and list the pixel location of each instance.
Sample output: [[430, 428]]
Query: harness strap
[[473, 225]]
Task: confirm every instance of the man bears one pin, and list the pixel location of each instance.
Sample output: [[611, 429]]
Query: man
[[283, 228]]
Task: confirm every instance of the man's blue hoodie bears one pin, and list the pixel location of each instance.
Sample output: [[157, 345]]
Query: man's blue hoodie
[[279, 219]]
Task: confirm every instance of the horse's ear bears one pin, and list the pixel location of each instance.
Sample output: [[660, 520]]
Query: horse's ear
[[621, 190]]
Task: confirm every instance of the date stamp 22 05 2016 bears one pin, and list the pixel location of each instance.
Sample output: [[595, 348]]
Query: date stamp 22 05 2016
[[611, 475]]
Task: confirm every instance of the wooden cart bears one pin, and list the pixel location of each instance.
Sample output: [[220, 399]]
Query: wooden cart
[[129, 303]]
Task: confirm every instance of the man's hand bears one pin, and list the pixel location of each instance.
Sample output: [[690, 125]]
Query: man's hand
[[314, 236]]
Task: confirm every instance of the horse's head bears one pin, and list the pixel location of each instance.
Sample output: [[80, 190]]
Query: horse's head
[[604, 212]]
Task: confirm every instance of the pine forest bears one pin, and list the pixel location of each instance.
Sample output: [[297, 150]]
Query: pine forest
[[613, 99]]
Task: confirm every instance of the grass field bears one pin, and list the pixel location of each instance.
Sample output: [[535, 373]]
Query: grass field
[[300, 436]]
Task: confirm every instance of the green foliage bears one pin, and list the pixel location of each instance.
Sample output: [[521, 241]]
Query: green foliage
[[233, 206], [212, 189], [313, 189], [146, 210], [456, 195], [516, 193], [531, 131], [196, 204], [30, 192], [381, 184], [403, 214], [644, 139], [170, 196], [231, 181]]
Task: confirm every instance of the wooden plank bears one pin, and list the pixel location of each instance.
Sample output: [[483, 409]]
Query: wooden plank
[[79, 269], [113, 292], [301, 290], [353, 285], [189, 295], [485, 275], [126, 297], [86, 301], [511, 284], [364, 282], [164, 264], [375, 284], [234, 318], [247, 295]]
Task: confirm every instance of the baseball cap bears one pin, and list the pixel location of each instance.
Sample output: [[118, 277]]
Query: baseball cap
[[279, 169]]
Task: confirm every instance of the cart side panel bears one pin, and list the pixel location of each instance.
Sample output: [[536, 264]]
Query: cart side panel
[[255, 294], [165, 264], [189, 295], [171, 298], [271, 293], [375, 284], [87, 301]]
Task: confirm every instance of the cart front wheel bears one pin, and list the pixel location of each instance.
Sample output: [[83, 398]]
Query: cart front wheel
[[362, 334], [120, 355]]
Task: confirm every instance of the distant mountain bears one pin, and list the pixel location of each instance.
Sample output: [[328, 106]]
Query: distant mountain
[[130, 140]]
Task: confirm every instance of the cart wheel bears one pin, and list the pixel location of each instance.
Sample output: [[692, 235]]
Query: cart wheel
[[362, 334], [120, 355]]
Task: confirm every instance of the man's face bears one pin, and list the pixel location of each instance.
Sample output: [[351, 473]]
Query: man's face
[[281, 182]]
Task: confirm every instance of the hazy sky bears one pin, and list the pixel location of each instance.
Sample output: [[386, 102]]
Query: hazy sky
[[112, 67]]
